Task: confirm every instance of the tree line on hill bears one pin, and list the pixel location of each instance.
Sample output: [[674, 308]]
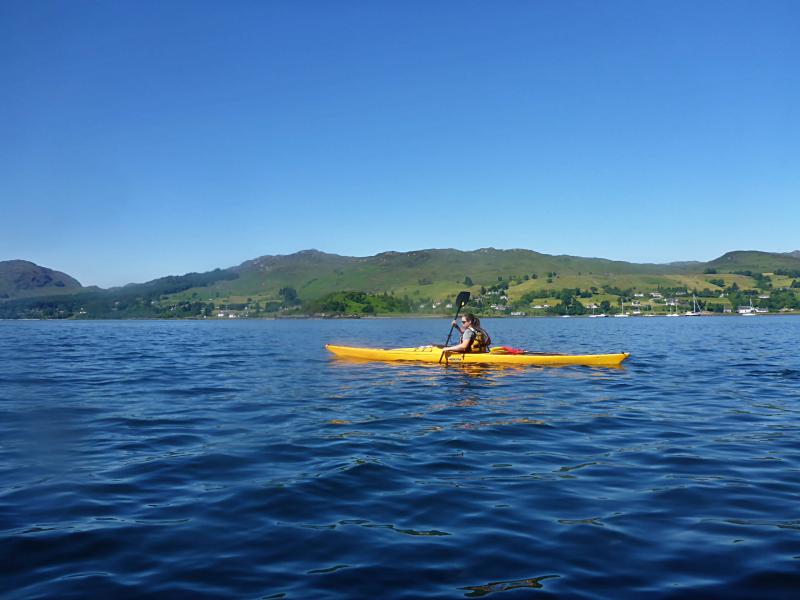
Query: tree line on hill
[[180, 297], [153, 302], [129, 302]]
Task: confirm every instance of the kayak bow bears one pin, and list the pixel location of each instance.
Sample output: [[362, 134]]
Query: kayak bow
[[432, 354]]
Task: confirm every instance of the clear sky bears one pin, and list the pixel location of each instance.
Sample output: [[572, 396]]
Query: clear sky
[[143, 138]]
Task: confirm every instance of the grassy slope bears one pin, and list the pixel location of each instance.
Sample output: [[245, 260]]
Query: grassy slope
[[316, 274], [752, 260]]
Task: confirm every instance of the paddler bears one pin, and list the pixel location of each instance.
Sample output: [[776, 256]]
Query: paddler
[[473, 337]]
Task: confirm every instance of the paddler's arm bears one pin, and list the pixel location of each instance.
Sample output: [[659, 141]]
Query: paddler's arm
[[462, 347]]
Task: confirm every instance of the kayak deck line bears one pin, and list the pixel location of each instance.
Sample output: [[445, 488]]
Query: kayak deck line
[[433, 354]]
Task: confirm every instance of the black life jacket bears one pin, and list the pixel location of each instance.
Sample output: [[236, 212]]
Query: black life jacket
[[480, 340]]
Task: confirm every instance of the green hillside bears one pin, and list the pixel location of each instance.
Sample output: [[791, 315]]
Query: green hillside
[[432, 274], [755, 261], [424, 281], [501, 281]]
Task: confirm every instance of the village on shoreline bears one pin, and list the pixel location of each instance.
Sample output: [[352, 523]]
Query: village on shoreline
[[501, 283], [654, 304]]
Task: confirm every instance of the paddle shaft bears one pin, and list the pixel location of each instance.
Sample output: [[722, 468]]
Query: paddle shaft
[[461, 300], [449, 335], [447, 343]]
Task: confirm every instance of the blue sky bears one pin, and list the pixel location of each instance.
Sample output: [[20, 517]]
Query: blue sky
[[140, 139]]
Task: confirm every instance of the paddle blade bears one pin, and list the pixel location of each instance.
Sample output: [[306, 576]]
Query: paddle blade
[[462, 299]]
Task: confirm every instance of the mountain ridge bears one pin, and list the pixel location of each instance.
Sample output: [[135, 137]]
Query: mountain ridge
[[419, 277], [735, 259]]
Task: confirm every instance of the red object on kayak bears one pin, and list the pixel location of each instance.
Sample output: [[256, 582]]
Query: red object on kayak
[[511, 350]]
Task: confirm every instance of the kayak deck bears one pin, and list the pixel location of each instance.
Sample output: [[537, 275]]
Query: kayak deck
[[432, 354]]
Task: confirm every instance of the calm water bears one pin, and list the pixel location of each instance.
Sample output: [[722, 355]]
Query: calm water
[[200, 459]]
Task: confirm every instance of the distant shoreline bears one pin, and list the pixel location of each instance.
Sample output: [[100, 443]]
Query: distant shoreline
[[399, 316]]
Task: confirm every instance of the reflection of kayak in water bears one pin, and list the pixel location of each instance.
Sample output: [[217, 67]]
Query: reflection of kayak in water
[[433, 354]]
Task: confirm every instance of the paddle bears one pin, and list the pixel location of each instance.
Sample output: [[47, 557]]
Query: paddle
[[461, 300]]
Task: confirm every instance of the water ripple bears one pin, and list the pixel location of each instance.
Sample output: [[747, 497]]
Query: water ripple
[[196, 459]]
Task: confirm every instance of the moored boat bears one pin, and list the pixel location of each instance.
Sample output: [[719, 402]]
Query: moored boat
[[695, 312]]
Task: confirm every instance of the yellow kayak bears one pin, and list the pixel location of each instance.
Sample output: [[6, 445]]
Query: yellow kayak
[[432, 354]]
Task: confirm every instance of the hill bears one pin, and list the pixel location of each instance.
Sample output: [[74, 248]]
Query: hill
[[501, 281], [435, 273], [755, 261], [21, 278]]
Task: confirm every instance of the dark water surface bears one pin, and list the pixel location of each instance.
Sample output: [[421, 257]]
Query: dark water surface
[[238, 459]]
